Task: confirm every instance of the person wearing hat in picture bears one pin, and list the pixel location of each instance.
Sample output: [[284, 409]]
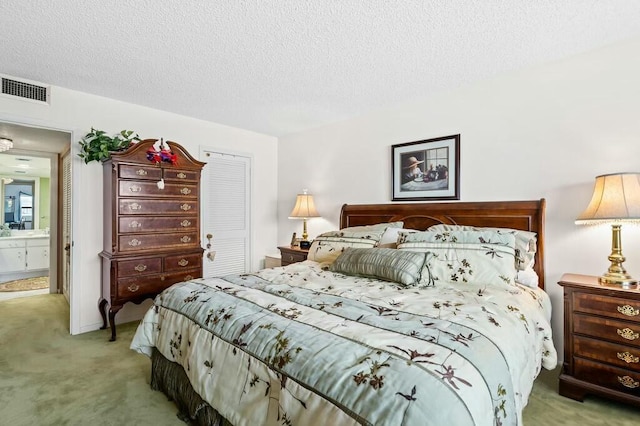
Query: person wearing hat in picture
[[412, 171]]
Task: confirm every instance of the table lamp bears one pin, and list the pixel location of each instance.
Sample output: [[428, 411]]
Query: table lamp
[[304, 209], [616, 199]]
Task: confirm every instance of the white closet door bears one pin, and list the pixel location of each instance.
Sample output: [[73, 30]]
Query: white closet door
[[66, 224], [226, 212]]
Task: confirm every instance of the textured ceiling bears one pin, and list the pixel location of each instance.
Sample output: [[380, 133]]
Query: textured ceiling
[[282, 66]]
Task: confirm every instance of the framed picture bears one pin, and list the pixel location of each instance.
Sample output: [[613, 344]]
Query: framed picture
[[426, 170]]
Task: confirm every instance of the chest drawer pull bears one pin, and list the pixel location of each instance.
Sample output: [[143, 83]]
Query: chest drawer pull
[[188, 277], [291, 258], [183, 262], [133, 288], [136, 242], [135, 188], [628, 382], [185, 207], [135, 206], [135, 224], [181, 175], [185, 239], [141, 172], [185, 191], [628, 357], [140, 268], [185, 223], [628, 334], [628, 310]]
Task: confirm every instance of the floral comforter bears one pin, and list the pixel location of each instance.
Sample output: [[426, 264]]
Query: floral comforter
[[298, 345]]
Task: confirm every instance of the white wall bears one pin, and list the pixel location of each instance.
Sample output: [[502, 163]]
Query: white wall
[[78, 112], [540, 133]]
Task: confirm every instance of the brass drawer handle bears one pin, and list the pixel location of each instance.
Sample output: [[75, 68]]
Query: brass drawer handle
[[140, 268], [135, 206], [181, 175], [290, 257], [135, 188], [185, 207], [188, 277], [628, 382], [185, 239], [185, 191], [628, 334], [141, 172], [133, 288], [628, 310], [135, 224], [183, 262], [135, 242], [628, 357], [185, 223]]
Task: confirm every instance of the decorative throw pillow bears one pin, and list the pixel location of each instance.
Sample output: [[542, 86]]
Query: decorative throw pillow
[[402, 267], [526, 241], [328, 246], [478, 257]]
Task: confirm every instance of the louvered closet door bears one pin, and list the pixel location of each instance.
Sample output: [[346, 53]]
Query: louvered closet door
[[226, 212], [66, 224]]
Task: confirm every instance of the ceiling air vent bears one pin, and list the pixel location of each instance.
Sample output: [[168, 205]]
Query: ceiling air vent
[[24, 90]]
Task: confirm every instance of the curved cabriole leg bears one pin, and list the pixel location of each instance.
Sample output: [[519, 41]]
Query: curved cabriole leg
[[112, 321], [102, 307]]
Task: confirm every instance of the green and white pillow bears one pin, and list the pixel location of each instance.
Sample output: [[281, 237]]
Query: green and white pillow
[[474, 257], [402, 267], [328, 246], [526, 241]]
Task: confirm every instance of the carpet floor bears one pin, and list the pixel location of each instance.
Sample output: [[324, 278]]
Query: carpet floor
[[48, 377], [37, 283]]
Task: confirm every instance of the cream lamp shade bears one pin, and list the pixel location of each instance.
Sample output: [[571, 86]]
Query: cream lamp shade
[[5, 144], [304, 209], [615, 200]]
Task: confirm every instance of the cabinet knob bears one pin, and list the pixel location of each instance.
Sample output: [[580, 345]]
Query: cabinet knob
[[140, 268], [135, 242], [135, 188], [290, 257], [181, 175], [135, 206], [188, 277], [185, 207], [628, 310], [135, 224], [628, 382], [133, 288], [141, 172], [185, 191], [185, 223], [183, 262], [628, 357], [627, 333], [185, 239]]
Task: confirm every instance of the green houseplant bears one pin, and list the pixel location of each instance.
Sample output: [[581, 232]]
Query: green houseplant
[[97, 145]]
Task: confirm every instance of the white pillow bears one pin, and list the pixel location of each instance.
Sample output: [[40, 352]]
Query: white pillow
[[328, 246], [528, 278], [390, 237]]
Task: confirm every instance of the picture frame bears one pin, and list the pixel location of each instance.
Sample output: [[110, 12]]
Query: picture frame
[[426, 170]]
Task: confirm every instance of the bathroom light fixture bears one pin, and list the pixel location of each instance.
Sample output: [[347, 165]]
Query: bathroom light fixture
[[5, 144]]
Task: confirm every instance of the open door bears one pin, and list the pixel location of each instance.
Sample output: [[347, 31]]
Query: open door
[[65, 227]]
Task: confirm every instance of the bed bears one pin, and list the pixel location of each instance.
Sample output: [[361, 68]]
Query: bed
[[446, 324]]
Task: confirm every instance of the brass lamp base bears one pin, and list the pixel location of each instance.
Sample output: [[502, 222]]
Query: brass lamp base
[[622, 280], [616, 274]]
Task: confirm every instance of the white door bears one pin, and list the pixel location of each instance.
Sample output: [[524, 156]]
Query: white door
[[65, 239], [226, 196]]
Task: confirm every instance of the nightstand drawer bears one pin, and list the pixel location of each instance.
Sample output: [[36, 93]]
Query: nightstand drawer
[[618, 379], [624, 332], [619, 355], [609, 306], [288, 258]]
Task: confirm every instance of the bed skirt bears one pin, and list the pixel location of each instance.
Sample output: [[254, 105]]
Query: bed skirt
[[170, 378]]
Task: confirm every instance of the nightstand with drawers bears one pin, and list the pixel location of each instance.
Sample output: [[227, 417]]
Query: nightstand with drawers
[[291, 255], [601, 340]]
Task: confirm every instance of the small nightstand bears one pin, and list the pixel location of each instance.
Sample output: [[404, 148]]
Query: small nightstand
[[601, 340], [291, 255]]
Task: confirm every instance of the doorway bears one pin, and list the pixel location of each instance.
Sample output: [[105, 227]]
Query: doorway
[[29, 188]]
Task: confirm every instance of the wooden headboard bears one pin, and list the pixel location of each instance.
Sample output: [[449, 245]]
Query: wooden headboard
[[525, 215]]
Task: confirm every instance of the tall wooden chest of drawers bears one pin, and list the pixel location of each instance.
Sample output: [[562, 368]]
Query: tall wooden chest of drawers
[[151, 226], [601, 340]]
